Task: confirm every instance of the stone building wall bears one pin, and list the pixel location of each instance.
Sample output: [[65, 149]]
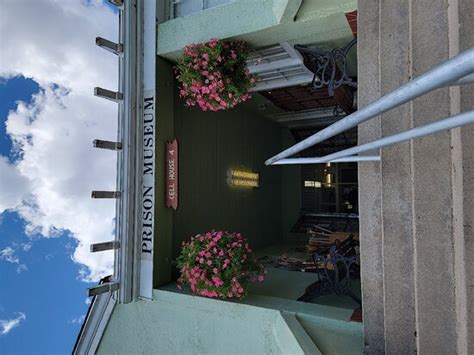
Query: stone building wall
[[416, 205]]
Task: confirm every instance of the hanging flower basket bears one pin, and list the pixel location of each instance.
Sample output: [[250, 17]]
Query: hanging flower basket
[[218, 264], [214, 75]]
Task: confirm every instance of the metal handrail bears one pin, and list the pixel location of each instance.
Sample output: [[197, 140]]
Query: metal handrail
[[458, 70]]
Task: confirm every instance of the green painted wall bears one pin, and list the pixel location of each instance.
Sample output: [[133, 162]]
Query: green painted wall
[[181, 324], [210, 144], [261, 23], [177, 323], [233, 19], [165, 132]]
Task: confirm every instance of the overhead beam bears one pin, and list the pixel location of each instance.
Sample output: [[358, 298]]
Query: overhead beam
[[112, 245], [106, 194], [115, 48], [98, 143], [108, 94], [103, 288]]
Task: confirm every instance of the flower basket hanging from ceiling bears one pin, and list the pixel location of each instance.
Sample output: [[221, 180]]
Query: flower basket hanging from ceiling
[[214, 75]]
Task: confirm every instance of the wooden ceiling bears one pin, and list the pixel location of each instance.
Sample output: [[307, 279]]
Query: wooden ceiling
[[299, 98]]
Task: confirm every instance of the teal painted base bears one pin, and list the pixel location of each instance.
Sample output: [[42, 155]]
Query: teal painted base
[[178, 323]]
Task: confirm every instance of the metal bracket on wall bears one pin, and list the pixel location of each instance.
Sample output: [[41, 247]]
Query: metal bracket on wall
[[103, 288], [115, 48], [97, 247], [329, 67], [106, 194], [101, 144], [114, 96]]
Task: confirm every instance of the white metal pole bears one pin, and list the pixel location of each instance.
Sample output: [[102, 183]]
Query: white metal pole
[[444, 74], [315, 160], [468, 79], [444, 124]]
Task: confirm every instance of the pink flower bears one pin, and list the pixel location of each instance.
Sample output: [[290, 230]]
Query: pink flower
[[179, 287], [201, 260], [209, 262], [261, 278], [213, 42], [217, 281], [215, 271]]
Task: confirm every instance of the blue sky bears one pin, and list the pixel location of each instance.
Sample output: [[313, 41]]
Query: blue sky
[[46, 290], [48, 118]]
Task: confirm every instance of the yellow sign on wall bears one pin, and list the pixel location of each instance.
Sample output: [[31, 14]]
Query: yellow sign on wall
[[242, 178]]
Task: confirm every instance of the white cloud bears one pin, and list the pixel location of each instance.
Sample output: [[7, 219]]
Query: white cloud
[[21, 268], [8, 254], [26, 246], [13, 185], [7, 325], [78, 320], [49, 184]]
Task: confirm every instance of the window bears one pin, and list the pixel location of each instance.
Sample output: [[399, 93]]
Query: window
[[330, 188]]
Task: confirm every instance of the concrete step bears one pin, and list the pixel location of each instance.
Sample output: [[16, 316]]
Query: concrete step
[[304, 340]]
